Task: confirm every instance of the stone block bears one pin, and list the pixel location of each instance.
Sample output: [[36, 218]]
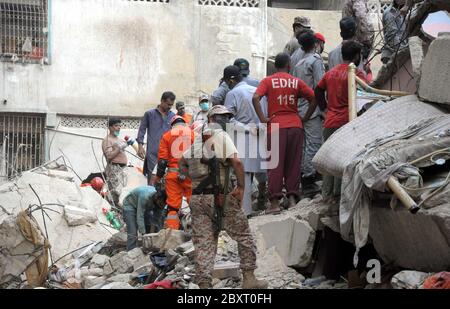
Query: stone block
[[77, 216], [225, 270], [436, 71], [91, 281]]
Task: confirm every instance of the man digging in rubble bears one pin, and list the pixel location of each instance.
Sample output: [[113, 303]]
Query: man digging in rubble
[[214, 206], [114, 151], [332, 94], [137, 206], [283, 91], [310, 70], [173, 144]]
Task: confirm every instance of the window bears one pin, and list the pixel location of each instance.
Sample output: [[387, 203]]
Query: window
[[23, 30], [240, 3]]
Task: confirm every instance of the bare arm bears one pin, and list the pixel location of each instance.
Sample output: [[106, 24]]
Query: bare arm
[[320, 98], [110, 151], [256, 104]]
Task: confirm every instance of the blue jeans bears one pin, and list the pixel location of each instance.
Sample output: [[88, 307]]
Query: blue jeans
[[129, 216]]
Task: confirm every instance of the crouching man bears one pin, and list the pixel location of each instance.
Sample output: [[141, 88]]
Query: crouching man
[[215, 206], [137, 206]]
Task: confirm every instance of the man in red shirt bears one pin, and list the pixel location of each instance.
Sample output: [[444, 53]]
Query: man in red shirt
[[335, 84], [283, 91]]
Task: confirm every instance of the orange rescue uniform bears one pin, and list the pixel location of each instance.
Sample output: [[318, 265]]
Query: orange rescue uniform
[[187, 118], [171, 148]]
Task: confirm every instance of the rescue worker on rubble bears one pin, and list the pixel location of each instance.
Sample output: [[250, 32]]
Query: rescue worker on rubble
[[310, 70], [154, 123], [216, 206], [332, 94], [202, 115], [245, 123], [219, 95], [181, 109], [365, 33], [394, 29], [141, 207], [114, 151], [173, 144], [283, 92]]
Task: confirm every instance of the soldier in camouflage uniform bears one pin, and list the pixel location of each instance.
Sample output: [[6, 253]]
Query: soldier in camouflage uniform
[[300, 25], [217, 143], [365, 32]]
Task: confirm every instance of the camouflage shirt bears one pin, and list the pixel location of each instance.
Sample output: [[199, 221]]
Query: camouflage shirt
[[360, 11]]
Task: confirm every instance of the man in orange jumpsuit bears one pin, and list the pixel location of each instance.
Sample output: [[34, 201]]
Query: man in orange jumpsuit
[[171, 148]]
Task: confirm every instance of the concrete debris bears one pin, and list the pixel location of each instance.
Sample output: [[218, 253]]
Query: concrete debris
[[292, 238], [186, 249], [435, 71], [409, 279], [99, 260], [226, 270], [78, 216], [164, 240], [417, 55], [97, 272], [120, 278], [91, 281]]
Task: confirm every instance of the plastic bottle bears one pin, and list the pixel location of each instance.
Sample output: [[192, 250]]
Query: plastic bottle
[[112, 218], [133, 143]]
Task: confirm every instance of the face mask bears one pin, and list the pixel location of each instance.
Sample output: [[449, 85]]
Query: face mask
[[116, 133], [204, 107]]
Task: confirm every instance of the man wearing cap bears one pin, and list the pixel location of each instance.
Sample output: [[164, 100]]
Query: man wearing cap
[[114, 151], [301, 23], [348, 31], [218, 97], [155, 123], [365, 33], [310, 70], [283, 91], [172, 146], [320, 43], [218, 146], [299, 53], [202, 115], [181, 109], [244, 126]]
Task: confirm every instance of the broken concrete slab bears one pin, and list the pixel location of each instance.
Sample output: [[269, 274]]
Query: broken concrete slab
[[164, 240], [412, 241], [186, 249], [225, 270], [291, 237], [417, 55], [91, 281], [119, 263], [78, 216], [99, 260], [409, 279], [436, 71], [271, 267], [17, 195], [97, 272]]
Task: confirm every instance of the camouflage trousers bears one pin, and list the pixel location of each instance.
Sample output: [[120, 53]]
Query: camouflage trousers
[[116, 181], [235, 223]]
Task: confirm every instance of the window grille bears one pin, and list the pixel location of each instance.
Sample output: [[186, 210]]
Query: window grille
[[162, 1], [239, 3], [96, 122], [21, 142], [23, 30]]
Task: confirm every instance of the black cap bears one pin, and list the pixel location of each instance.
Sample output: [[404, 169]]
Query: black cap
[[347, 24], [243, 65], [113, 121], [231, 72]]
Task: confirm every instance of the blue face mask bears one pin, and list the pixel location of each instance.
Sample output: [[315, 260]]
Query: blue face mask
[[204, 106], [117, 133]]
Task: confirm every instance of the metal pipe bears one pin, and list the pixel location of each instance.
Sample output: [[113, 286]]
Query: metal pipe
[[370, 89], [352, 113], [402, 195]]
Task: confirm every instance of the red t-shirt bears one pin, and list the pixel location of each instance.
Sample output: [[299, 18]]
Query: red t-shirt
[[335, 82], [283, 91]]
